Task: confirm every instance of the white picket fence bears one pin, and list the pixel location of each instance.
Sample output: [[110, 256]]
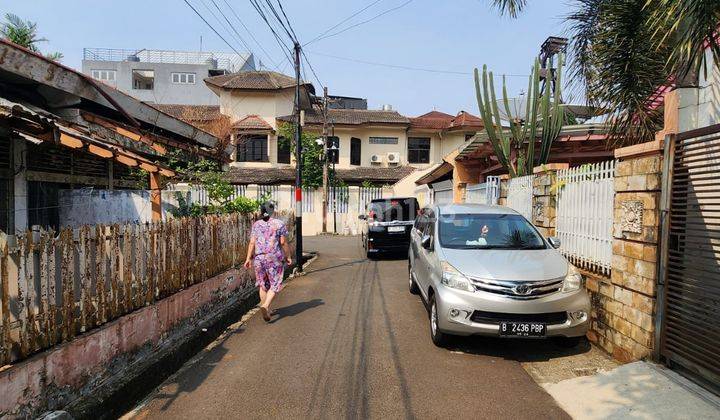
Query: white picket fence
[[486, 193], [367, 195], [585, 214], [338, 199], [520, 194]]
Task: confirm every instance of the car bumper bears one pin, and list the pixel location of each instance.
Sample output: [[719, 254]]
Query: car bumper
[[466, 303]]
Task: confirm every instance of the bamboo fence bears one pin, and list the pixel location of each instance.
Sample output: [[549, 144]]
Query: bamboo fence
[[55, 285]]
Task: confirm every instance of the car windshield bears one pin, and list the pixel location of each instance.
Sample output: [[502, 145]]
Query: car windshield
[[390, 210], [488, 231]]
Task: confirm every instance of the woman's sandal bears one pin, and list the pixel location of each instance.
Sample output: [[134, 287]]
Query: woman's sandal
[[265, 314]]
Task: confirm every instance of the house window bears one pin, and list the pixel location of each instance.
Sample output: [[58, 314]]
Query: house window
[[183, 78], [333, 155], [383, 140], [104, 75], [252, 149], [355, 148], [143, 79], [283, 150], [418, 150]]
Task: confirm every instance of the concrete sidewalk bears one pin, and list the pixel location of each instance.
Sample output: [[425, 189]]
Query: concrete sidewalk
[[637, 390]]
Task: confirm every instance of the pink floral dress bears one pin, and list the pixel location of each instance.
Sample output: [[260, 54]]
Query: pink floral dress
[[268, 260]]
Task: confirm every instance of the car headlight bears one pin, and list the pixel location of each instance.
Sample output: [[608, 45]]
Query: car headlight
[[573, 281], [451, 277]]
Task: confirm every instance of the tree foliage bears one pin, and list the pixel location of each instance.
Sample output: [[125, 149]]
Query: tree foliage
[[623, 51], [312, 155], [25, 34]]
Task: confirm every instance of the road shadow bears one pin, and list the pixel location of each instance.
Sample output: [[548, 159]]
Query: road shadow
[[295, 308], [389, 256], [517, 349], [194, 373]]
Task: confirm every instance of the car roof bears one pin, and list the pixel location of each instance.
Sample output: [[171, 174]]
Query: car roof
[[469, 208], [377, 200]]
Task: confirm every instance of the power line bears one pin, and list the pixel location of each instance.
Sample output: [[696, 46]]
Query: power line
[[342, 21], [231, 26], [285, 49], [311, 68], [366, 21], [232, 10], [402, 67], [287, 20], [211, 27]]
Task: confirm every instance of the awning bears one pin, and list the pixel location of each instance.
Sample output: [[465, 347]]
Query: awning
[[438, 172]]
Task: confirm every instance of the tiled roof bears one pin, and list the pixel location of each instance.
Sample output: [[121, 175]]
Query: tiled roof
[[464, 119], [441, 121], [352, 117], [286, 175], [191, 112], [252, 122], [252, 80]]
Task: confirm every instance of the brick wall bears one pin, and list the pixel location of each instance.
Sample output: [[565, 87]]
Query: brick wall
[[545, 201]]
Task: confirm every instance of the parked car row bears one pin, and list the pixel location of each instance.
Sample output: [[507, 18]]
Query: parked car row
[[481, 270]]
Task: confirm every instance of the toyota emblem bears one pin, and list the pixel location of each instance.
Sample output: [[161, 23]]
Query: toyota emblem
[[522, 289]]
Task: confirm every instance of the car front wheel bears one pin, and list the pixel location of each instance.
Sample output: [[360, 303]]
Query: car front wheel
[[413, 286], [438, 337]]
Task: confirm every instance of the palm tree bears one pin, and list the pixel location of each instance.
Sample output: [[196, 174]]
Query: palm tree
[[24, 33], [623, 51]]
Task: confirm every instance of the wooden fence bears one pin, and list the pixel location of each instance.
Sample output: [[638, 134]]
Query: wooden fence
[[54, 286]]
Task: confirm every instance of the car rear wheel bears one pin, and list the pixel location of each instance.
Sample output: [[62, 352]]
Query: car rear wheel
[[413, 286], [439, 338]]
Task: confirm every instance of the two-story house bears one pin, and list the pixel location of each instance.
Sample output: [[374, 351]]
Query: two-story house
[[378, 146]]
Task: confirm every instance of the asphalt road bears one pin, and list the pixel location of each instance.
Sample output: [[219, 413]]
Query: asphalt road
[[350, 341]]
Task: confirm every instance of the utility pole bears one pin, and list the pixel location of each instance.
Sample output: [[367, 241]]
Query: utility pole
[[325, 161], [298, 165]]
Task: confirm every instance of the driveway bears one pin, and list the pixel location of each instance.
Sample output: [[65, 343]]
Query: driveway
[[350, 341]]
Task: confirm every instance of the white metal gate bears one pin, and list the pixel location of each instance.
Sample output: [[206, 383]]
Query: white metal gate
[[520, 194], [486, 193], [442, 192], [366, 195], [585, 214]]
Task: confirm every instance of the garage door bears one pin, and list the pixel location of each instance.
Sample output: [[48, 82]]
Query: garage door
[[690, 335]]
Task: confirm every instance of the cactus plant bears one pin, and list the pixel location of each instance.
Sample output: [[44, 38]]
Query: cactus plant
[[514, 146]]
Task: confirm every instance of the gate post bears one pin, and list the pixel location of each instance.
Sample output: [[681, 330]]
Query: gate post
[[544, 200], [665, 197], [628, 301]]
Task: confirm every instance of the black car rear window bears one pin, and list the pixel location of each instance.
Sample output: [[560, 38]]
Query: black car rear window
[[390, 210]]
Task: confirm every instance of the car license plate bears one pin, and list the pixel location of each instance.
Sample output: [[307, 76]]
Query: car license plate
[[395, 229], [522, 329]]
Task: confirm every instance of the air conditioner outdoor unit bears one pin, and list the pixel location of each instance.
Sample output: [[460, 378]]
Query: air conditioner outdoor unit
[[393, 157], [376, 159]]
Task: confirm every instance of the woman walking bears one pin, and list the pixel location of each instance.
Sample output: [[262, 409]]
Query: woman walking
[[267, 252]]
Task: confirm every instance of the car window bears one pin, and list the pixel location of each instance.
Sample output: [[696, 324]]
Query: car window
[[390, 210], [488, 231]]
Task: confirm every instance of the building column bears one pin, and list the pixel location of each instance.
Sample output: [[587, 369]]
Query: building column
[[20, 186], [155, 196], [544, 201], [463, 175]]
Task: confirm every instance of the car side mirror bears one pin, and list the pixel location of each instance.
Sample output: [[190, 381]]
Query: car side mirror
[[426, 242], [362, 217], [554, 242]]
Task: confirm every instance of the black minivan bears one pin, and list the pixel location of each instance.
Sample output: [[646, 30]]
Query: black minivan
[[388, 225]]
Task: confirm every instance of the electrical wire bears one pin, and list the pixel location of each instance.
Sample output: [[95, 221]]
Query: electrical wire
[[238, 36], [342, 21], [402, 67], [211, 27], [366, 21], [312, 69], [287, 20], [285, 49], [232, 10]]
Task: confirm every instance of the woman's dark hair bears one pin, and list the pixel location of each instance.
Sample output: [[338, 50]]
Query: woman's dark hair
[[266, 210]]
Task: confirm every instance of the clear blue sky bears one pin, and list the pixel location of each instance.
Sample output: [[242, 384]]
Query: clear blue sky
[[453, 35]]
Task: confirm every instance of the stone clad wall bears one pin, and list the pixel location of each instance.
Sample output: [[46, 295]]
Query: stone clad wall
[[623, 304]]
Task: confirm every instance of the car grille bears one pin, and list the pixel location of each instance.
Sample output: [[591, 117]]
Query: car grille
[[498, 317], [518, 289]]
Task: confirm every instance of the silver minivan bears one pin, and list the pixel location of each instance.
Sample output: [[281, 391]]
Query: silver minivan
[[487, 270]]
